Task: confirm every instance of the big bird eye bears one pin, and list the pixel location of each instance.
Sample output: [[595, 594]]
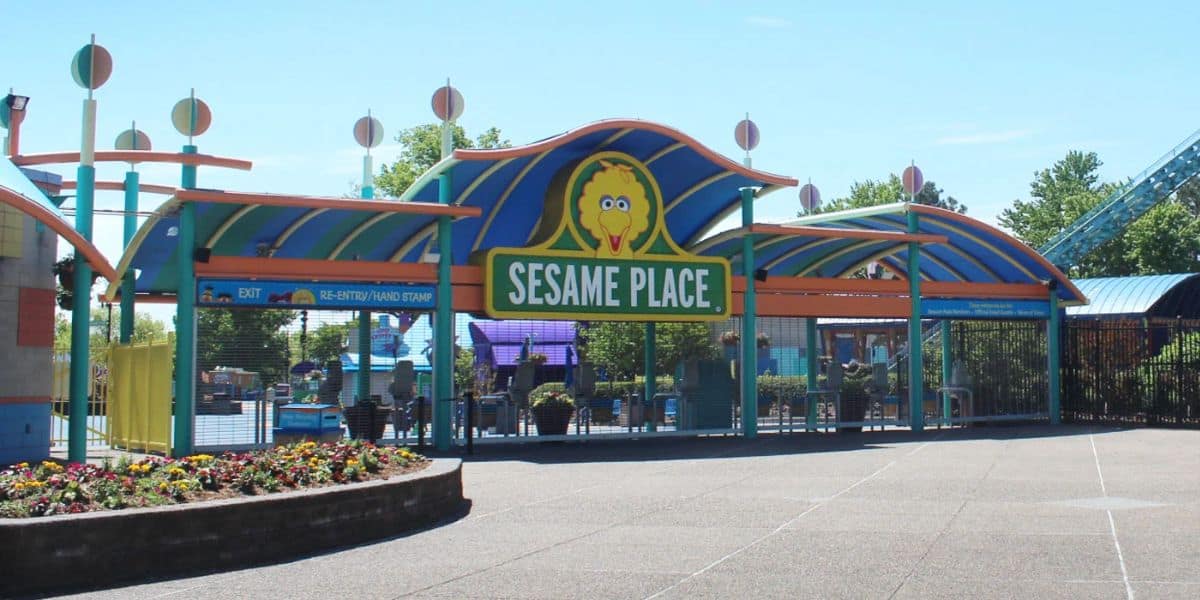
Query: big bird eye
[[623, 204], [606, 203]]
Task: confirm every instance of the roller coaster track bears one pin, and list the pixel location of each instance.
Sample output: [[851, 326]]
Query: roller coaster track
[[1110, 218]]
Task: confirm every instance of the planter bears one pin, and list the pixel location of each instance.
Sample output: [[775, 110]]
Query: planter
[[358, 421], [552, 420], [172, 541], [853, 409]]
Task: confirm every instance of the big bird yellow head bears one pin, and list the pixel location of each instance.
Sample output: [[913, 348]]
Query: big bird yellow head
[[614, 209]]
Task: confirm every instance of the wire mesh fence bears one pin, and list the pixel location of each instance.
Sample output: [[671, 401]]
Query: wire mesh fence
[[1132, 372]]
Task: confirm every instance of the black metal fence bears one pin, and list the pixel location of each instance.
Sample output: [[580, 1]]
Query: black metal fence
[[1132, 372]]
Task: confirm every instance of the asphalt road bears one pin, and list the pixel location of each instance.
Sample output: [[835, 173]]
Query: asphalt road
[[998, 512]]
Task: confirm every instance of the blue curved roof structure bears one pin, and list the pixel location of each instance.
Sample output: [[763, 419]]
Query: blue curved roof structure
[[699, 186], [974, 252], [1166, 296]]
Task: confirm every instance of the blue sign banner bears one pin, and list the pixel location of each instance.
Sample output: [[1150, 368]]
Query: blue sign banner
[[985, 309], [303, 294]]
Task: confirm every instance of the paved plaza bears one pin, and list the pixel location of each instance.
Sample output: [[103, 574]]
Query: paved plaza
[[990, 512]]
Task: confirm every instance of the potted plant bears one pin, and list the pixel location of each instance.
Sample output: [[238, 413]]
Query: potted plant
[[762, 341], [64, 272], [854, 396], [538, 359], [731, 338], [552, 412]]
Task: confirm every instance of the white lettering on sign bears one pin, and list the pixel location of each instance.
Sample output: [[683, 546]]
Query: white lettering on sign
[[515, 270], [610, 286], [250, 293], [686, 277], [552, 271], [701, 288], [535, 281], [637, 283], [592, 288], [584, 286]]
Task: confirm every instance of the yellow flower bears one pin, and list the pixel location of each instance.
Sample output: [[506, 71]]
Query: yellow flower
[[181, 485], [51, 466], [23, 465], [353, 462], [200, 458]]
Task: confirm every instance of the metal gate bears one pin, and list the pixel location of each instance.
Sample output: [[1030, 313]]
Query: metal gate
[[1132, 372]]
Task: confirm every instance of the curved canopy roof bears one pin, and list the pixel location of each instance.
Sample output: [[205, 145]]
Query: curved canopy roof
[[258, 225], [699, 186], [973, 252], [18, 191], [1170, 296]]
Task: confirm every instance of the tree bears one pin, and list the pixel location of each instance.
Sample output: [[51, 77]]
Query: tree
[[105, 332], [874, 193], [329, 341], [1164, 240], [620, 347], [253, 340], [421, 148]]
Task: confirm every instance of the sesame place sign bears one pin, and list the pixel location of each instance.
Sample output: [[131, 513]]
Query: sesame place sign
[[603, 253]]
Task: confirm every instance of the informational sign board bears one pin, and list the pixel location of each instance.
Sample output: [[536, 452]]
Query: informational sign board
[[985, 309], [297, 294], [604, 253]]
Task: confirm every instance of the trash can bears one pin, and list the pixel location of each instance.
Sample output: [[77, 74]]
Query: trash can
[[498, 411], [316, 422]]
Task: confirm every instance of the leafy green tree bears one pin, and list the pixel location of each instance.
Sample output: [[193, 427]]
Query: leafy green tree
[[620, 347], [874, 193], [105, 332], [329, 341], [421, 148], [1164, 240], [254, 340]]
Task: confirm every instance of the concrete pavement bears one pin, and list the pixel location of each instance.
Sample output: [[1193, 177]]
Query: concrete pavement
[[1008, 512]]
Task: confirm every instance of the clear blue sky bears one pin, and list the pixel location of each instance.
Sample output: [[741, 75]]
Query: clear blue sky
[[980, 95]]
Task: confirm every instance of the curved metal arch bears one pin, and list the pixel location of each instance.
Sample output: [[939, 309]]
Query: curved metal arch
[[798, 250], [228, 223], [1016, 264], [924, 274], [822, 261], [480, 179], [512, 186], [42, 214], [669, 148], [296, 225], [354, 233], [725, 212], [703, 183], [960, 252]]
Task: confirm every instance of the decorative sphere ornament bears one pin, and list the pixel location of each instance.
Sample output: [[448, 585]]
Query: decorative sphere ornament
[[746, 134], [913, 180], [448, 103], [368, 132], [810, 197], [132, 139], [191, 116], [91, 66]]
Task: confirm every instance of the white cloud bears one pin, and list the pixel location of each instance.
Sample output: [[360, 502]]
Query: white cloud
[[995, 137], [768, 22]]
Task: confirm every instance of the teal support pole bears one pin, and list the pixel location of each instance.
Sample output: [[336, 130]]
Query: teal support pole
[[443, 360], [185, 320], [81, 317], [947, 367], [810, 358], [916, 385], [650, 387], [749, 324], [1053, 358], [362, 383], [128, 229]]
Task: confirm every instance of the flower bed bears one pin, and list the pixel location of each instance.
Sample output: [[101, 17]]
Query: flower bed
[[51, 489]]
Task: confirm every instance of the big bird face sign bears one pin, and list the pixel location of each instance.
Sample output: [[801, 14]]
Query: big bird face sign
[[614, 209]]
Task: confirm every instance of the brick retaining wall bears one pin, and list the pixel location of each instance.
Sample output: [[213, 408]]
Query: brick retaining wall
[[95, 550]]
